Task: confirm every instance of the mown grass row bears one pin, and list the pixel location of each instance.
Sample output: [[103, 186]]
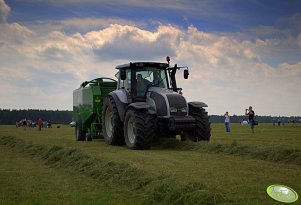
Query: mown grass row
[[152, 188], [274, 153]]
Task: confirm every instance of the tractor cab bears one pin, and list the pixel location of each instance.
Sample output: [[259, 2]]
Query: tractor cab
[[137, 78]]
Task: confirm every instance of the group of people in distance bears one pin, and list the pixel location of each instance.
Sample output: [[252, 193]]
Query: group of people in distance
[[250, 112], [29, 123]]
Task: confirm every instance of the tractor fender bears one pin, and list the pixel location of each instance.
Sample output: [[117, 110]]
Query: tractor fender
[[121, 101], [121, 95], [197, 104], [141, 106]]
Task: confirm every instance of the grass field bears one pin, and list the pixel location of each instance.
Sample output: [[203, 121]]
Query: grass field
[[50, 167]]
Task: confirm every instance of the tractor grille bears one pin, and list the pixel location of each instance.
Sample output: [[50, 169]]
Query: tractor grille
[[178, 102], [160, 104]]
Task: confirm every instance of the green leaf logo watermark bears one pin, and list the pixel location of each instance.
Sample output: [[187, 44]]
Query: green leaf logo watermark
[[282, 193]]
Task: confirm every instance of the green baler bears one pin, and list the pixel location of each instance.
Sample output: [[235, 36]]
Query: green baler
[[87, 107]]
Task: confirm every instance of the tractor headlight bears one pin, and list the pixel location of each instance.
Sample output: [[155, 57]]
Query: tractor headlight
[[173, 109], [184, 109]]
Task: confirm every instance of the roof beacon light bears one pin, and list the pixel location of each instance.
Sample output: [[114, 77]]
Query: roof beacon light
[[168, 59]]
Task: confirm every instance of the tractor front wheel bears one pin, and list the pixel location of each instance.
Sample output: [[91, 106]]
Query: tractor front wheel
[[138, 129], [202, 130]]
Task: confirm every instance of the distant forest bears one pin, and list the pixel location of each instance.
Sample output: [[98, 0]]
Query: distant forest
[[8, 117]]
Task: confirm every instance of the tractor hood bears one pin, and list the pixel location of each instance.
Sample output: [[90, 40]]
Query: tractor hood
[[167, 102]]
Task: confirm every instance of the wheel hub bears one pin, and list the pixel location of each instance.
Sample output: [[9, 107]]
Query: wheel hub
[[109, 122], [131, 130]]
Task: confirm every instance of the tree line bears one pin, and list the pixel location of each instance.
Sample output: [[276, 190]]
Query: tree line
[[8, 117]]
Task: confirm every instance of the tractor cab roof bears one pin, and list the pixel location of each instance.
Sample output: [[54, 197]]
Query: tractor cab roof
[[138, 65]]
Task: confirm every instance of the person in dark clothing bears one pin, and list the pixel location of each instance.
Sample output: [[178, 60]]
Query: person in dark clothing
[[251, 114], [279, 121], [40, 123], [24, 124], [49, 124], [141, 85]]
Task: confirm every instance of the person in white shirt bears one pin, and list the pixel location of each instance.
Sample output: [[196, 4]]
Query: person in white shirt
[[227, 121]]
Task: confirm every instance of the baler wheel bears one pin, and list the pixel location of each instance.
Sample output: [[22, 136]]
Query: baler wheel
[[79, 133]]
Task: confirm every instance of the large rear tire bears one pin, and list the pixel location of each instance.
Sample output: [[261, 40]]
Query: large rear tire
[[202, 129], [111, 124], [139, 128], [79, 132]]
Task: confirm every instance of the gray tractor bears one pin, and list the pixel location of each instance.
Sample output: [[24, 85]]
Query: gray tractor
[[147, 104]]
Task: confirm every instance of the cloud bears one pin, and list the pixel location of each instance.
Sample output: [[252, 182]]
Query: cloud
[[226, 72], [93, 23], [292, 22], [15, 33], [4, 11], [269, 32], [132, 43], [80, 25], [168, 4], [224, 69], [299, 40], [193, 9], [291, 70]]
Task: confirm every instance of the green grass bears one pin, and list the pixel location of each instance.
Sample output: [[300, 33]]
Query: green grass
[[265, 135], [234, 168], [25, 180]]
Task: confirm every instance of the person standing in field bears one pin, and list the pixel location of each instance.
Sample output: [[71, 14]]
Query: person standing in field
[[251, 114], [40, 123], [279, 121], [24, 124], [227, 121]]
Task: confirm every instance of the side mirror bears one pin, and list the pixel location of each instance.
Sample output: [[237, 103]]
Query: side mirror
[[186, 73], [122, 74]]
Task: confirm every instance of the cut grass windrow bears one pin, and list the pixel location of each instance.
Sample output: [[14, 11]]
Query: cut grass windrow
[[277, 154], [154, 188]]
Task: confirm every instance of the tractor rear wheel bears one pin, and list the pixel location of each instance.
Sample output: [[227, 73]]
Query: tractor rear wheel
[[111, 124], [138, 129], [202, 129], [79, 132]]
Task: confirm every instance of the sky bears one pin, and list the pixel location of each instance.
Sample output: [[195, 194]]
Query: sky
[[239, 53]]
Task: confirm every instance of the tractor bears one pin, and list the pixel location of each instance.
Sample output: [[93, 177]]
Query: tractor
[[147, 104]]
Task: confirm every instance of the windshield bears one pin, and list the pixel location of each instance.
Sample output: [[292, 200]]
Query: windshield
[[150, 77]]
